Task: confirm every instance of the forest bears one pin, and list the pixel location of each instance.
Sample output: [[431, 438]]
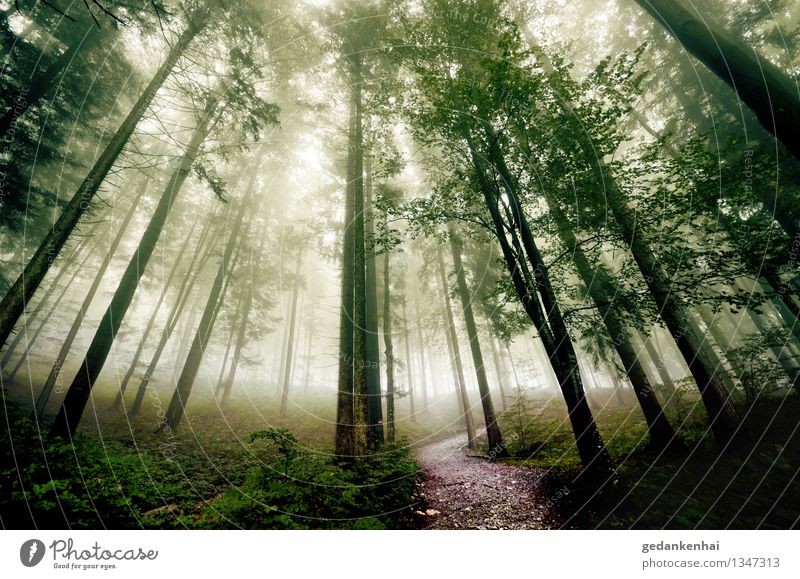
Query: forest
[[400, 264]]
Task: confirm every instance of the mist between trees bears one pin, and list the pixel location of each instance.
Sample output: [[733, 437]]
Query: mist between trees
[[363, 224]]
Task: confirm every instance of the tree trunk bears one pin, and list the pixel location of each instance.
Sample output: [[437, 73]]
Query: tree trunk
[[616, 382], [309, 338], [423, 378], [225, 357], [458, 368], [552, 329], [600, 288], [498, 370], [350, 440], [496, 446], [14, 301], [31, 316], [55, 371], [287, 376], [409, 365], [360, 361], [53, 307], [387, 340], [375, 404], [189, 280], [241, 338], [240, 341], [513, 366], [78, 394], [153, 316], [661, 368], [765, 89], [183, 388]]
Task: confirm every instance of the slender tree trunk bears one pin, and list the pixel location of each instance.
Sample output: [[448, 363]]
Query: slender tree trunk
[[189, 280], [32, 315], [387, 340], [55, 371], [513, 366], [225, 357], [423, 379], [496, 446], [240, 340], [552, 329], [309, 338], [183, 388], [14, 301], [78, 394], [375, 404], [227, 386], [409, 365], [498, 370], [658, 363], [53, 307], [765, 89], [458, 368], [280, 353], [290, 342], [151, 322], [616, 381], [600, 288]]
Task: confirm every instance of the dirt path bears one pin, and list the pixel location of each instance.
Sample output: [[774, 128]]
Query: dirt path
[[464, 492]]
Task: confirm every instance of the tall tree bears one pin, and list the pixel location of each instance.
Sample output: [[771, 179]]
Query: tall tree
[[78, 394], [387, 340], [123, 385], [409, 363], [290, 346], [183, 388], [452, 339], [768, 91], [495, 438], [373, 348], [58, 364], [13, 302]]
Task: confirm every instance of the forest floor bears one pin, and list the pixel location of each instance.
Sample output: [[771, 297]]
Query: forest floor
[[461, 491]]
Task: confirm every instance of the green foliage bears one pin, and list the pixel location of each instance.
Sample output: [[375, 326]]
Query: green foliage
[[301, 490], [758, 372], [284, 441], [91, 483], [100, 483]]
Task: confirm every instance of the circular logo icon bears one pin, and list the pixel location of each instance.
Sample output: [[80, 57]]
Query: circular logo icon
[[31, 553]]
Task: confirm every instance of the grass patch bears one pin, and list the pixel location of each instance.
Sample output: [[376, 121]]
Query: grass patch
[[750, 485], [214, 473]]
